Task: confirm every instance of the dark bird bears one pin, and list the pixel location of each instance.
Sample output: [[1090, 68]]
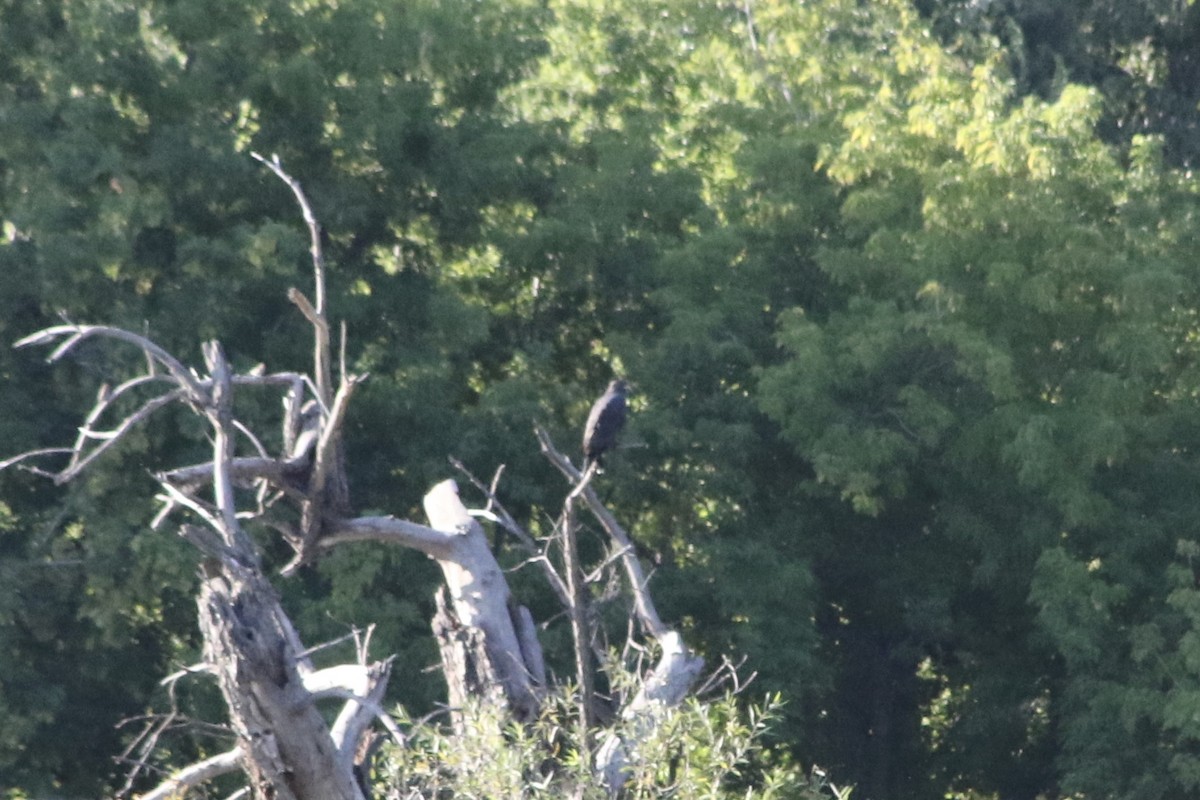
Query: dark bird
[[604, 423]]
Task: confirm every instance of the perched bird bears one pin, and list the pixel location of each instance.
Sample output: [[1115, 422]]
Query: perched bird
[[604, 423]]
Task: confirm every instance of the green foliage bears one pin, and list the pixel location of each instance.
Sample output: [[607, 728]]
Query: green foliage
[[712, 749], [1139, 53], [993, 392], [915, 350]]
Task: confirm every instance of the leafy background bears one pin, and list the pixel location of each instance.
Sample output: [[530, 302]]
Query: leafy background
[[908, 292]]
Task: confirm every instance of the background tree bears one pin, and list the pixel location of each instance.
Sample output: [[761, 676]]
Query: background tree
[[491, 656], [1139, 55], [909, 312]]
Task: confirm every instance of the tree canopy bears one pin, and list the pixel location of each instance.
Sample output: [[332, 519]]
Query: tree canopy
[[908, 292]]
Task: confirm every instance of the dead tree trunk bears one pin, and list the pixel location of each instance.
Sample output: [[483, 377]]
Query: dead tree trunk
[[290, 751], [250, 643], [488, 642], [478, 629]]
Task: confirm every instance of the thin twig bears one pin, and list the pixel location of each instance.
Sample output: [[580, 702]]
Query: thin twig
[[80, 461], [45, 451], [536, 554]]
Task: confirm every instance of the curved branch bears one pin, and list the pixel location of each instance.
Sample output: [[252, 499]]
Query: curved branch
[[79, 333], [310, 219], [315, 313], [79, 461], [196, 774]]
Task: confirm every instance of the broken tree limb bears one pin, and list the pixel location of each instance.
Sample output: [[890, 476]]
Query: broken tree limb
[[195, 774], [391, 530], [476, 628]]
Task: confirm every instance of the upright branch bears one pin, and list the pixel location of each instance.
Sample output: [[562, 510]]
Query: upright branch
[[328, 489], [220, 413], [580, 611], [677, 669], [314, 312], [643, 602]]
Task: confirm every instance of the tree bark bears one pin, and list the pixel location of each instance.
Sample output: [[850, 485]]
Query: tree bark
[[477, 622], [291, 753]]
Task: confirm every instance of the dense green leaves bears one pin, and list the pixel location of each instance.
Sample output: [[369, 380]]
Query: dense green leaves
[[907, 292]]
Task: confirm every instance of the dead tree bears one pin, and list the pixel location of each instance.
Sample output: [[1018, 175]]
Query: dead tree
[[488, 642]]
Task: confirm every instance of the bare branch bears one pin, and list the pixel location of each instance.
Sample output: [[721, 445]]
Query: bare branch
[[78, 333], [506, 520], [208, 541], [293, 408], [325, 460], [531, 646], [315, 312], [242, 471], [343, 374], [500, 514], [201, 510], [362, 686], [726, 674], [220, 413], [254, 440], [45, 451], [581, 628], [306, 307], [643, 602], [310, 219], [106, 396], [196, 774], [144, 742], [80, 462], [434, 543], [201, 668]]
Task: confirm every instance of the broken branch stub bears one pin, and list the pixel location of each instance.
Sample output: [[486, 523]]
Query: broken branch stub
[[477, 629]]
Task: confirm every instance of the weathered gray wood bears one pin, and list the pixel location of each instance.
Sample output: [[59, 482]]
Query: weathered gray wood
[[252, 646], [475, 629], [195, 774], [291, 754]]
